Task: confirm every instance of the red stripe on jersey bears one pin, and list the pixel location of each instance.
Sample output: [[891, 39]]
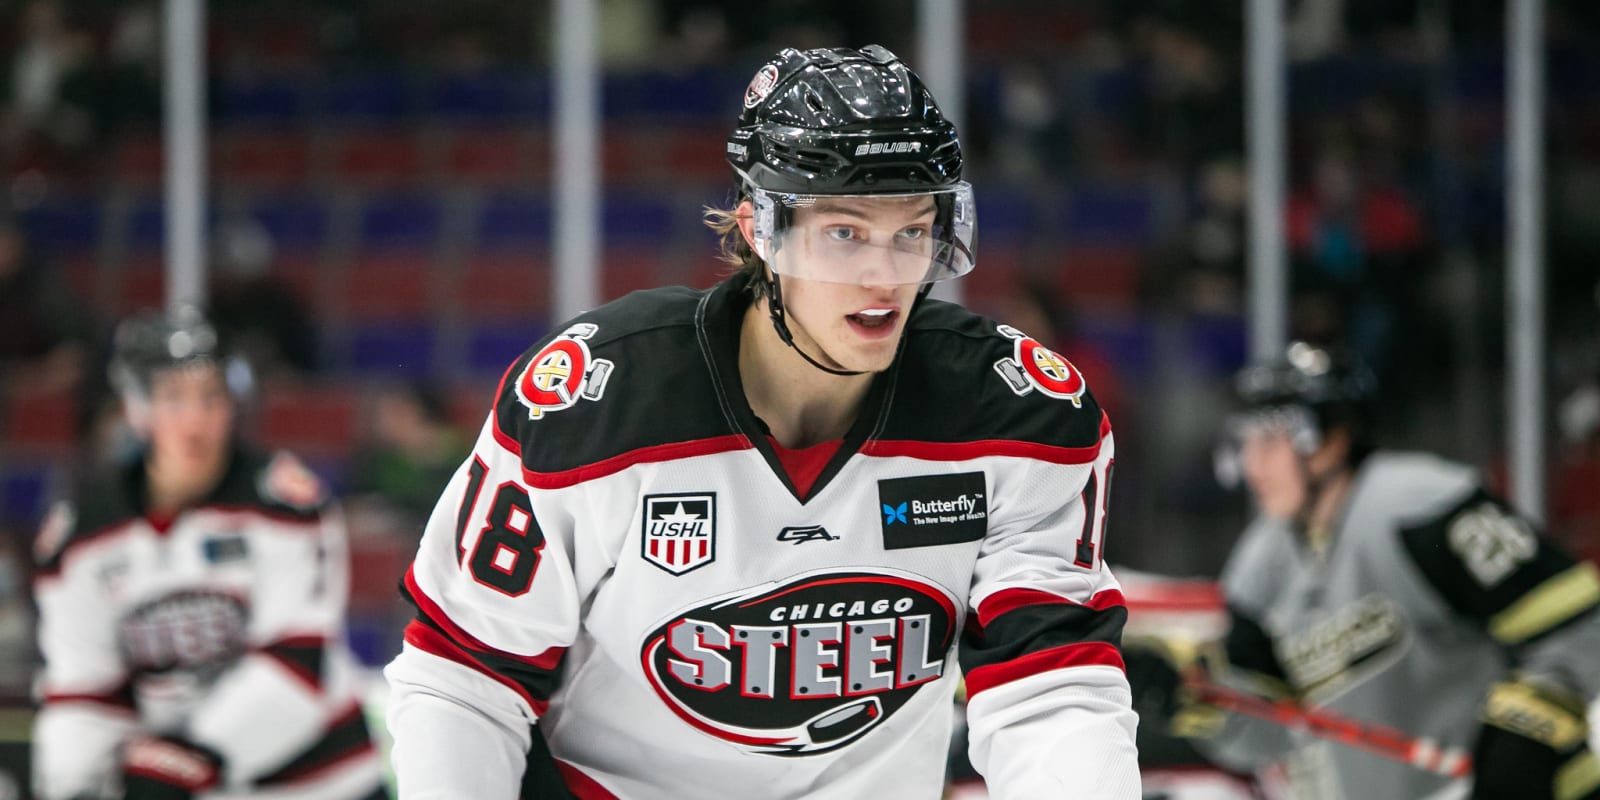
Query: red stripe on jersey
[[74, 545], [431, 641], [962, 451], [644, 455], [582, 786], [1011, 599], [1077, 654], [118, 702], [548, 660], [312, 681]]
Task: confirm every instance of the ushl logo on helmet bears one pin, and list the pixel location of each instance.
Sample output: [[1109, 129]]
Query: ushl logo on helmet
[[562, 373], [680, 531], [1034, 366]]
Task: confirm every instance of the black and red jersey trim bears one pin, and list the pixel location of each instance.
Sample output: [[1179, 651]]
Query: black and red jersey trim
[[346, 738], [1024, 632], [533, 678], [301, 656]]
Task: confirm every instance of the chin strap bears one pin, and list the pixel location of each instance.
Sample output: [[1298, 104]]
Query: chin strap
[[781, 325]]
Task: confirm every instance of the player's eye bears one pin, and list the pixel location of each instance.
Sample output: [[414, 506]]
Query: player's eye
[[915, 233], [840, 233]]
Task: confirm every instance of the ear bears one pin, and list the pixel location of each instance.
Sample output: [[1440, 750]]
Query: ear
[[136, 410], [746, 215]]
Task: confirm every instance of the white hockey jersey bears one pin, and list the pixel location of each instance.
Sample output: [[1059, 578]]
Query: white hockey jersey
[[626, 561], [222, 626]]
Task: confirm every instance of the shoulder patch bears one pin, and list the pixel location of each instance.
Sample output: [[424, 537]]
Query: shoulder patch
[[1033, 366], [285, 480], [53, 531], [562, 373]]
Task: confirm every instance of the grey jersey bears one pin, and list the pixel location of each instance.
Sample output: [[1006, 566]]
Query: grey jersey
[[1426, 592]]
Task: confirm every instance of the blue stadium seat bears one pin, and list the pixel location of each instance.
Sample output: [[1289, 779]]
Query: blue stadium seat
[[146, 226], [24, 493], [382, 96], [488, 97], [295, 221], [701, 94], [400, 221], [70, 223], [514, 219], [1109, 214], [1007, 216], [273, 100], [637, 218], [402, 348], [491, 348]]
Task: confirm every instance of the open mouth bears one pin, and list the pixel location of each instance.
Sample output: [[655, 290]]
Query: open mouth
[[874, 319]]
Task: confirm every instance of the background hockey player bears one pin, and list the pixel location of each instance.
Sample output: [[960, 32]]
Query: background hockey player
[[727, 541], [1389, 587], [192, 604]]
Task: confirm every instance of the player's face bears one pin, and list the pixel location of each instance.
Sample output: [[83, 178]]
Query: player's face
[[1274, 472], [190, 418], [874, 253]]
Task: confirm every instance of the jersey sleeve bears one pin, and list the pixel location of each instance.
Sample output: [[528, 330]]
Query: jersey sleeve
[[497, 607], [1049, 709], [275, 702], [1492, 566], [86, 703]]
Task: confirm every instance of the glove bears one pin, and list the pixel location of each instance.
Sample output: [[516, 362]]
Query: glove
[[1157, 671], [165, 768], [1533, 745]]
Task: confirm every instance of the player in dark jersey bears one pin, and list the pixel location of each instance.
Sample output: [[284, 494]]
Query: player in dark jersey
[[728, 541], [1391, 588], [192, 604]]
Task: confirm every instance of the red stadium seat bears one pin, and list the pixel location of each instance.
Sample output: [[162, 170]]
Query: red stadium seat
[[381, 158], [502, 286], [311, 420], [35, 419], [265, 158], [139, 161], [387, 285], [495, 157]]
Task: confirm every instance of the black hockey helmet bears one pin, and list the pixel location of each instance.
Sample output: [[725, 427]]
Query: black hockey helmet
[[842, 121], [1305, 392], [152, 341]]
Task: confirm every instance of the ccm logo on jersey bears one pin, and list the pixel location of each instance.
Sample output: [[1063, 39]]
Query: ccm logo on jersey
[[680, 531], [805, 666], [563, 372], [1034, 366]]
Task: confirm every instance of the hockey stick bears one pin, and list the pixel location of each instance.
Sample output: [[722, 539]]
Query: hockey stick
[[1420, 752]]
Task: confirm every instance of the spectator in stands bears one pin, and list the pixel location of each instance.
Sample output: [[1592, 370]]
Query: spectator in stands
[[51, 86], [44, 331], [263, 316], [409, 453]]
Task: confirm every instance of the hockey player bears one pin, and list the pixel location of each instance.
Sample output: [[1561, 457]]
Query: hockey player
[[192, 605], [727, 541], [1388, 587]]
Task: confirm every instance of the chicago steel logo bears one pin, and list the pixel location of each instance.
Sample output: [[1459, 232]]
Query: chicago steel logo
[[1034, 366], [805, 666], [680, 531], [562, 373], [761, 85]]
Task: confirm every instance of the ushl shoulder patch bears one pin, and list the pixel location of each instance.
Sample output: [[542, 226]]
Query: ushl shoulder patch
[[562, 373], [1034, 366], [285, 480]]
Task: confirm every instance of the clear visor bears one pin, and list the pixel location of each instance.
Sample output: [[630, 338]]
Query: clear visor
[[868, 239], [1295, 423]]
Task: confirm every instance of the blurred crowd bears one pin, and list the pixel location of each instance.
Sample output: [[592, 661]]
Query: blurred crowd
[[1106, 143]]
